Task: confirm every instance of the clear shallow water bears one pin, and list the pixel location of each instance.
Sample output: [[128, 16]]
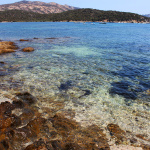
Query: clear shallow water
[[101, 71]]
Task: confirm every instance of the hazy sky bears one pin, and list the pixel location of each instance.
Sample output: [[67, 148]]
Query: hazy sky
[[135, 6]]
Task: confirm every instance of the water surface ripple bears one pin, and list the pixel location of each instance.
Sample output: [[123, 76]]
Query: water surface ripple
[[101, 71]]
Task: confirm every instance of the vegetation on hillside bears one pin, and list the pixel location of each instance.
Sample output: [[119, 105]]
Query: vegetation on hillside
[[72, 15]]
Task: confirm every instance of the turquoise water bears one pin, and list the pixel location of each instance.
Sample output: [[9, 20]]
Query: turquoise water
[[100, 71]]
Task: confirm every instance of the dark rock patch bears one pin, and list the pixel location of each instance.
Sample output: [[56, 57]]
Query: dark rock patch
[[51, 38], [122, 88], [26, 97], [2, 63], [35, 38], [65, 86], [3, 72]]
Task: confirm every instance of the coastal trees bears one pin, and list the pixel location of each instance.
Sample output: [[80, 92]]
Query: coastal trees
[[72, 15]]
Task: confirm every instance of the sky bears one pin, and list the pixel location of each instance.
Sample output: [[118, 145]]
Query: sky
[[134, 6]]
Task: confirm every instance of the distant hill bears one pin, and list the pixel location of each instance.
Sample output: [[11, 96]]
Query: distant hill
[[147, 15], [37, 6], [72, 15]]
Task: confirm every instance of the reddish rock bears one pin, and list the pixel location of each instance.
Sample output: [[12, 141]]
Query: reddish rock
[[64, 125], [36, 125], [2, 147], [91, 137], [145, 146], [22, 40], [143, 137], [7, 119], [53, 133], [27, 116], [117, 133], [7, 47], [28, 49]]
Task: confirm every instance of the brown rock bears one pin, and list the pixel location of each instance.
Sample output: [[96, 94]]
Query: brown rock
[[63, 124], [2, 147], [91, 137], [38, 145], [27, 116], [1, 62], [28, 49], [117, 133], [36, 125], [145, 146], [26, 98], [22, 40], [55, 145], [72, 146], [142, 136], [7, 47], [133, 140]]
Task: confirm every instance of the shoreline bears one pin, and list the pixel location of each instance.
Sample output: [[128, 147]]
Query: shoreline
[[133, 21]]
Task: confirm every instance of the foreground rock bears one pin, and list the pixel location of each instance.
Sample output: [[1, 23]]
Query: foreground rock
[[28, 49], [23, 126], [7, 47]]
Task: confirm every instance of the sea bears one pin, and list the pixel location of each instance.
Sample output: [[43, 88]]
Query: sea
[[101, 72]]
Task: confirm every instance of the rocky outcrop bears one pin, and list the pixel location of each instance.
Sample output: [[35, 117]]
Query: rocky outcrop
[[7, 47], [22, 126]]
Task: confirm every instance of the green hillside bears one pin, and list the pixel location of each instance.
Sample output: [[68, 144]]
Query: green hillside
[[20, 15], [72, 15]]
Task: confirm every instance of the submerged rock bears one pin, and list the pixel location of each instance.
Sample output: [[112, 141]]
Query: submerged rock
[[26, 98], [3, 72], [122, 88], [65, 86], [22, 40], [1, 62], [28, 49], [35, 38]]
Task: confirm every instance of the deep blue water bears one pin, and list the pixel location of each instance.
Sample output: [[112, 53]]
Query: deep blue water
[[97, 63]]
